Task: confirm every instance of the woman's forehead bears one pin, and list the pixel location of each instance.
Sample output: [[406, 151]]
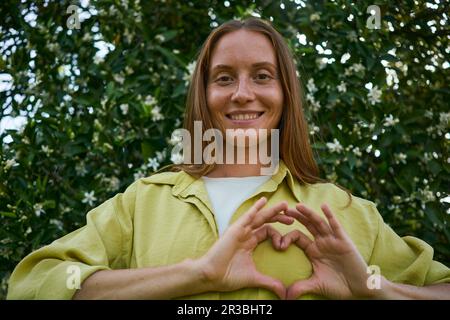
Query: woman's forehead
[[243, 47]]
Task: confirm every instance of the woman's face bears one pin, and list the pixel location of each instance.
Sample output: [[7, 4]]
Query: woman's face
[[243, 89]]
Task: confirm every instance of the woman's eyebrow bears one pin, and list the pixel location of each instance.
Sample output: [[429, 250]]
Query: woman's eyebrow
[[264, 64], [254, 65], [221, 67]]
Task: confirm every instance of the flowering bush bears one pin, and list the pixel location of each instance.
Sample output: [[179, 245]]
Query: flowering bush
[[95, 106]]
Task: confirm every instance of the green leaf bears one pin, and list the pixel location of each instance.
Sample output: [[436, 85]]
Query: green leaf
[[8, 214], [147, 150]]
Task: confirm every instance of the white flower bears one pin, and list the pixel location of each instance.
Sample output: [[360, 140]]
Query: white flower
[[357, 152], [190, 71], [427, 156], [46, 150], [314, 17], [114, 184], [98, 59], [139, 174], [10, 163], [177, 158], [156, 113], [354, 68], [374, 95], [314, 129], [124, 108], [176, 138], [119, 78], [87, 37], [429, 114], [150, 100], [38, 209], [332, 177], [390, 121], [352, 36], [342, 87], [53, 47], [444, 118], [125, 3], [161, 155], [89, 198], [400, 157], [315, 106], [64, 70], [80, 169], [191, 67], [427, 194], [129, 70], [335, 146], [57, 223], [321, 63], [177, 122], [311, 86], [357, 67], [153, 163], [160, 37]]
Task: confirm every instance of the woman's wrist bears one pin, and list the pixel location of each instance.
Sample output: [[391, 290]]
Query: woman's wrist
[[198, 268]]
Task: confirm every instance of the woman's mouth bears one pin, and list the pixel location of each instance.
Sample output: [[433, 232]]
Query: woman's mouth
[[244, 117]]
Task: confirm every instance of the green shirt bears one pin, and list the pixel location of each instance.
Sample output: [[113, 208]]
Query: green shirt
[[167, 217]]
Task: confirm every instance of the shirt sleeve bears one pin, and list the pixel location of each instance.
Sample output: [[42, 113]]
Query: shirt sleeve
[[55, 271], [407, 260]]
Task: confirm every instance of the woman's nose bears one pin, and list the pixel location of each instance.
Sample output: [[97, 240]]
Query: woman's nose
[[243, 93]]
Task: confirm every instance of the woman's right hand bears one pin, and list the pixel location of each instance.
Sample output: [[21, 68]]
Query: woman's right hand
[[229, 265]]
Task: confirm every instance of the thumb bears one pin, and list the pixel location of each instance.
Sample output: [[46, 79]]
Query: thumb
[[271, 284], [300, 288]]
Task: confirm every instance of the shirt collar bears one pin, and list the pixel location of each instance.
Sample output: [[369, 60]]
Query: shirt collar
[[187, 185]]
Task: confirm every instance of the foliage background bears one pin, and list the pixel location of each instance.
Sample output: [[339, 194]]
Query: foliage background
[[93, 123]]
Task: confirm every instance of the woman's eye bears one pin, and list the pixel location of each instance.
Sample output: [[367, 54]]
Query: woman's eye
[[262, 76], [224, 79]]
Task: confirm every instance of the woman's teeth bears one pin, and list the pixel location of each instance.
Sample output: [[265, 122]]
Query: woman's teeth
[[247, 116]]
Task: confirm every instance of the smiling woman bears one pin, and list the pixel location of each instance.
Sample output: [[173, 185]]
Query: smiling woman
[[200, 230], [243, 87]]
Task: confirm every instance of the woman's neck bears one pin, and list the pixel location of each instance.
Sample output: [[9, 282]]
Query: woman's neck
[[235, 170]]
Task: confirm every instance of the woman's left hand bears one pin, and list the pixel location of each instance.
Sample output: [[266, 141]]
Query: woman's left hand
[[339, 270]]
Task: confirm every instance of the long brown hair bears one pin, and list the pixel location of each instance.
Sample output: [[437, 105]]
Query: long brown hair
[[295, 147]]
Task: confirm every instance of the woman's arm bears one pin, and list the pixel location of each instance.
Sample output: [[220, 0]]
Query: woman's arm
[[181, 279], [398, 291], [339, 270], [227, 266]]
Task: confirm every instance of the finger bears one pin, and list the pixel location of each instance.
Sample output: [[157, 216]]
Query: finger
[[319, 223], [303, 220], [249, 217], [300, 288], [282, 218], [267, 231], [297, 237], [334, 223], [271, 284], [266, 215]]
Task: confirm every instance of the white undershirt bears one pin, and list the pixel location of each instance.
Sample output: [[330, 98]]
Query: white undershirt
[[227, 194]]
